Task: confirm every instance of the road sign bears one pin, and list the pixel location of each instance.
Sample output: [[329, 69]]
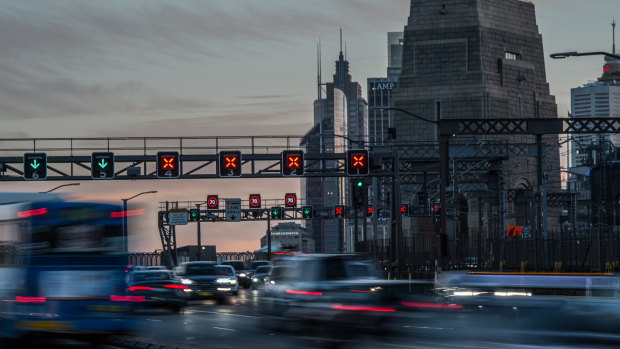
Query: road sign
[[35, 166], [276, 212], [168, 164], [213, 203], [290, 200], [229, 164], [194, 215], [102, 165], [292, 163], [357, 162], [177, 216], [254, 200], [233, 210]]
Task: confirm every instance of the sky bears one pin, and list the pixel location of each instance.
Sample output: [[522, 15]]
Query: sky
[[181, 68]]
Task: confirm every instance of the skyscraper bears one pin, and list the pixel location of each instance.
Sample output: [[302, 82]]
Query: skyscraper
[[339, 118], [478, 59]]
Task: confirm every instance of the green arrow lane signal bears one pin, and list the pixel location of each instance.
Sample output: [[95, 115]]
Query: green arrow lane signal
[[102, 163], [193, 213], [275, 212], [306, 211], [35, 164]]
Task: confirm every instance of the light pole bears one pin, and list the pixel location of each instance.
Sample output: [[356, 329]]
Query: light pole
[[125, 216], [561, 55], [60, 186], [198, 237]]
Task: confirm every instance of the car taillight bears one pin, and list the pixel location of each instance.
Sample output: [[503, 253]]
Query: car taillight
[[361, 308], [127, 298], [138, 288], [432, 305], [180, 287], [305, 293], [20, 299]]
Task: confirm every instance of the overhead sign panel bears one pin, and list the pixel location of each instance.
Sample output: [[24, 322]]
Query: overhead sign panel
[[233, 210], [102, 165]]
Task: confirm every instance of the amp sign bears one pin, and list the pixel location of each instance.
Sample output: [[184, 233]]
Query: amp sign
[[388, 85]]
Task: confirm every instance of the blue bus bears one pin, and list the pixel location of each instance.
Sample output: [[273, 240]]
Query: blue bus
[[62, 269]]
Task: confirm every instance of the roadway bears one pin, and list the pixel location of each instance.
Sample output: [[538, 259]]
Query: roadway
[[205, 324]]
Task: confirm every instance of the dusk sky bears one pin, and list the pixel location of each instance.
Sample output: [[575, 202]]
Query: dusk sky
[[182, 68]]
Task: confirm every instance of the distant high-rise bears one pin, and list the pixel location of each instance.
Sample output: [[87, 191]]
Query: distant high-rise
[[479, 59], [338, 118]]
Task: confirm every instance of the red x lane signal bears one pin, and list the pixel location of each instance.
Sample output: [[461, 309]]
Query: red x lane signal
[[168, 164], [339, 211], [357, 162], [229, 164], [292, 163]]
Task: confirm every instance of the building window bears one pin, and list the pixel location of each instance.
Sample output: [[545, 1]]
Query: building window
[[513, 56]]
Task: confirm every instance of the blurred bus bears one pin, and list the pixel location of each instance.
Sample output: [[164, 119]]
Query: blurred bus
[[62, 268]]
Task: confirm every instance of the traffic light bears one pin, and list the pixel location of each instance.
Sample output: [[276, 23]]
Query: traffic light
[[404, 209], [102, 165], [229, 164], [339, 211], [358, 192], [292, 163], [357, 162], [168, 164], [194, 215], [35, 166], [306, 212], [290, 200], [255, 201], [213, 203], [436, 213], [370, 211], [276, 213]]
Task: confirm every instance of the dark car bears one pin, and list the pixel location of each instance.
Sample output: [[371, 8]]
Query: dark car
[[243, 274], [256, 264], [159, 289], [261, 274], [208, 280]]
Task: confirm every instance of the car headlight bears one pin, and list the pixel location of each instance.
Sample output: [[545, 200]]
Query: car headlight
[[255, 279], [186, 281], [226, 281], [242, 275]]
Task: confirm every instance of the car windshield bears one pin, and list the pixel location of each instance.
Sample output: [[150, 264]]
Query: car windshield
[[264, 269], [140, 276], [256, 264], [224, 270], [201, 269]]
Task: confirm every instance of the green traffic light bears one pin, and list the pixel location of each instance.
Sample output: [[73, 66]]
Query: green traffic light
[[193, 214], [306, 211], [360, 184], [35, 164]]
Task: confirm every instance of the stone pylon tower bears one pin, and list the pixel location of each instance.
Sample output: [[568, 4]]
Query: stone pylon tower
[[481, 59]]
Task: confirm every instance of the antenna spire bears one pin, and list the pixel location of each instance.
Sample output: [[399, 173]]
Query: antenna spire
[[613, 35]]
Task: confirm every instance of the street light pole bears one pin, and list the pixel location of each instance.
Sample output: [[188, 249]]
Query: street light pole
[[561, 55], [126, 246], [60, 186], [198, 243]]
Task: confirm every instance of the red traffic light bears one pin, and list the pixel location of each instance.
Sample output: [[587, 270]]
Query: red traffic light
[[357, 162], [255, 201], [292, 163], [168, 164], [213, 203], [370, 211], [229, 164], [290, 200]]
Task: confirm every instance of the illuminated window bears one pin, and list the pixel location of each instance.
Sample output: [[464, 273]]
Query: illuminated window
[[513, 56]]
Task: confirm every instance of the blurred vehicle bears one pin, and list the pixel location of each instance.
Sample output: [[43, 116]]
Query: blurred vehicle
[[156, 267], [62, 270], [243, 274], [260, 275], [335, 295], [159, 289], [208, 280], [256, 264], [132, 268]]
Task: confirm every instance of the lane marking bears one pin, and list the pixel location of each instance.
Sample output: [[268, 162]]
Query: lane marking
[[225, 329], [230, 314]]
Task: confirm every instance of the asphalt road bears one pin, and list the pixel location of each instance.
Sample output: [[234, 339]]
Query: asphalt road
[[205, 324]]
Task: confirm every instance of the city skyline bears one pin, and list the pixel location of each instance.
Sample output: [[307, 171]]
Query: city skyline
[[196, 68]]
